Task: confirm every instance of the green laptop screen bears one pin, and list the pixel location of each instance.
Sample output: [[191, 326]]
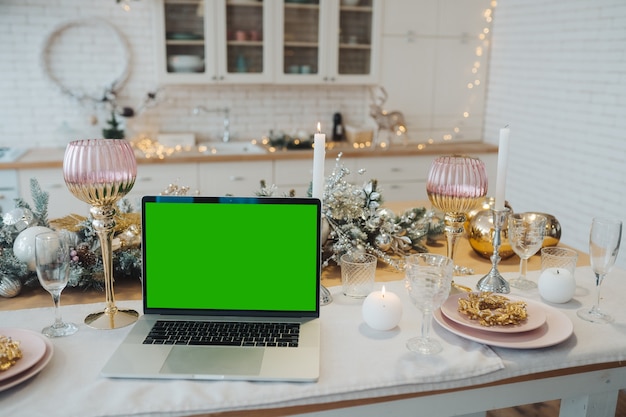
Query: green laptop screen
[[231, 254]]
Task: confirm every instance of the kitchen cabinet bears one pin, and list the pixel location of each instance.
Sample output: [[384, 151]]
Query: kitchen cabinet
[[401, 178], [233, 178], [154, 179], [328, 41], [60, 202], [213, 41], [250, 41], [297, 174], [401, 175], [434, 66], [9, 189], [151, 180], [404, 178]]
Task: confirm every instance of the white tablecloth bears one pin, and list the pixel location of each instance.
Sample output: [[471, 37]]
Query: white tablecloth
[[357, 362]]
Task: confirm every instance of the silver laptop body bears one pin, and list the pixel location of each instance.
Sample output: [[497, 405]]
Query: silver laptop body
[[227, 259]]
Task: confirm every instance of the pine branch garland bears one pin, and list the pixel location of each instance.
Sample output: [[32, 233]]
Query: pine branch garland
[[40, 200]]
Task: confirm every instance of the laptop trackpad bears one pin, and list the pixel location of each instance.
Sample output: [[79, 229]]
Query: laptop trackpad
[[217, 361]]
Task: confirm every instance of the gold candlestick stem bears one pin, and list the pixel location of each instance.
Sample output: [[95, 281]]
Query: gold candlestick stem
[[111, 317]]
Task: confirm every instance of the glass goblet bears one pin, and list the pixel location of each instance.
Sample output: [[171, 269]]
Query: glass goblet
[[100, 172], [456, 185], [428, 281], [604, 242], [526, 232], [52, 260]]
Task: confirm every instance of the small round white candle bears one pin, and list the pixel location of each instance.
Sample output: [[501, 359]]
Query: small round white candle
[[556, 285], [503, 155], [382, 310], [319, 153]]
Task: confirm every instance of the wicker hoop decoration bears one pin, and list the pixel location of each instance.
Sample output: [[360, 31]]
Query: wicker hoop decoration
[[107, 88]]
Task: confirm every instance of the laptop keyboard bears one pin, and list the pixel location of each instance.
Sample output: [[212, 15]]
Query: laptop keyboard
[[181, 332]]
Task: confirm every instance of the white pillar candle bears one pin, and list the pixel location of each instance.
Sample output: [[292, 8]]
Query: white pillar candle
[[382, 310], [503, 154], [319, 153]]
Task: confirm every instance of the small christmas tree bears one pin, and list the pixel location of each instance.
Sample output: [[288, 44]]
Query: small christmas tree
[[114, 131]]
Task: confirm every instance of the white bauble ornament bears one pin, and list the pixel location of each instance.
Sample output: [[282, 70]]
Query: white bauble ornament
[[24, 245]]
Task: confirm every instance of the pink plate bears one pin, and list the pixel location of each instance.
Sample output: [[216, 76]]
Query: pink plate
[[33, 370], [556, 329], [536, 316], [33, 348]]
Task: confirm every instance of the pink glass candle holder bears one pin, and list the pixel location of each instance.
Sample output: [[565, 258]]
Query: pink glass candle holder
[[456, 184], [100, 172]]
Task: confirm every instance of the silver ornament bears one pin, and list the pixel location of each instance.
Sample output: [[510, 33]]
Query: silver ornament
[[9, 286], [383, 241], [19, 218]]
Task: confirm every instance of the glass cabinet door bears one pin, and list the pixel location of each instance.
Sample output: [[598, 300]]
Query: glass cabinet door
[[355, 37], [328, 41], [301, 37], [214, 41], [245, 31], [185, 36]]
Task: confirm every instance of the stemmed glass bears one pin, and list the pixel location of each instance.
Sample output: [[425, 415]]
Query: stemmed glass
[[428, 280], [456, 185], [604, 242], [526, 232], [100, 172], [52, 260]]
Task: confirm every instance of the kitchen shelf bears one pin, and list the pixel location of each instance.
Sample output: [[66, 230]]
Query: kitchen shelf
[[176, 42], [355, 46], [364, 9]]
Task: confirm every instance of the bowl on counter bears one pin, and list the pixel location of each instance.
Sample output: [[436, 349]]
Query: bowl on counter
[[185, 63]]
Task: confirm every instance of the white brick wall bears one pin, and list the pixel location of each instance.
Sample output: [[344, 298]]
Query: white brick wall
[[558, 77]]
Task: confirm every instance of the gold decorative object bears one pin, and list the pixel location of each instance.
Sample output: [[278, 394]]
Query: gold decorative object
[[553, 230], [10, 352], [479, 230], [492, 309]]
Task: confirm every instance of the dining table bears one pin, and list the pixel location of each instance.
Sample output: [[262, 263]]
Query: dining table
[[363, 372]]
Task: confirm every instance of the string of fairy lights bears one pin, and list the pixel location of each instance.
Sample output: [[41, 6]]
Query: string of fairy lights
[[485, 40]]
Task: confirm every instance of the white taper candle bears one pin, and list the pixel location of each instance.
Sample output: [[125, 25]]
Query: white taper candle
[[319, 153], [503, 155]]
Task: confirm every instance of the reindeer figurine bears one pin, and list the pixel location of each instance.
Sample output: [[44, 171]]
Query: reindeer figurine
[[387, 122]]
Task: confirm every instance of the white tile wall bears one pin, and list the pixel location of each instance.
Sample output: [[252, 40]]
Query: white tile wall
[[558, 77], [34, 113]]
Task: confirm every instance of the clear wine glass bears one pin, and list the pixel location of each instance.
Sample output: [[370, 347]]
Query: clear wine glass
[[52, 260], [456, 185], [100, 172], [604, 241], [526, 232], [428, 281]]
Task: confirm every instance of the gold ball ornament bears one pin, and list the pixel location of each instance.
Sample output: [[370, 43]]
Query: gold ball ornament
[[479, 229], [553, 231]]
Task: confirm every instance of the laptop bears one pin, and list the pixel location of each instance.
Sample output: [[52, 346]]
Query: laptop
[[214, 264]]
